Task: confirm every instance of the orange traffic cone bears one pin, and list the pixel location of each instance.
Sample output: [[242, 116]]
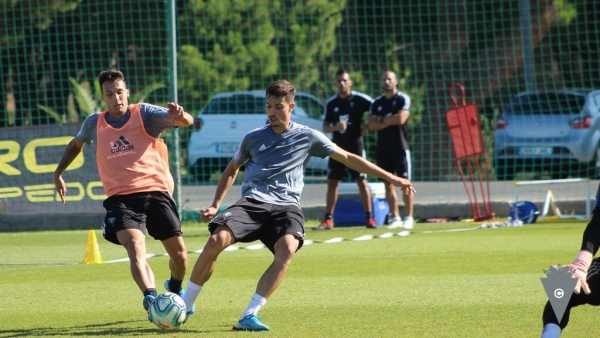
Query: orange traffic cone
[[92, 253]]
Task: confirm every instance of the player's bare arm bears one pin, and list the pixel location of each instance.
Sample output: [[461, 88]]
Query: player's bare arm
[[71, 151], [225, 182], [360, 164], [178, 115]]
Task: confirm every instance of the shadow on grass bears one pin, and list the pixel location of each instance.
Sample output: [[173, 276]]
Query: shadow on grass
[[106, 329]]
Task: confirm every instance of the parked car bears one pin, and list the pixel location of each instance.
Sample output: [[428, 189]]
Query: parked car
[[227, 117], [555, 130]]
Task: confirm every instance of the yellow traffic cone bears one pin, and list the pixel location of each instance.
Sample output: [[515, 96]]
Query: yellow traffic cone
[[92, 253]]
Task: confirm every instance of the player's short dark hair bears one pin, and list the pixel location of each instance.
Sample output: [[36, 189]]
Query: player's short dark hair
[[282, 89], [111, 75], [342, 71]]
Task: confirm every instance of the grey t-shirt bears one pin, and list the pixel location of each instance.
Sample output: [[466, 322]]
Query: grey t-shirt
[[275, 163], [155, 118]]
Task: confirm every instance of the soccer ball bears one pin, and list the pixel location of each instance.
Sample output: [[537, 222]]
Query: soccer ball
[[167, 311]]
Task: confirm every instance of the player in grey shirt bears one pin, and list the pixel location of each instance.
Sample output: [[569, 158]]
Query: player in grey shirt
[[275, 163], [275, 157]]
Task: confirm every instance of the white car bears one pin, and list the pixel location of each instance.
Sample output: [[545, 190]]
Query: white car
[[221, 124]]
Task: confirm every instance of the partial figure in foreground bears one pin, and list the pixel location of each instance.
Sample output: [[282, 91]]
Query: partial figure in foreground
[[133, 165], [585, 268], [269, 210]]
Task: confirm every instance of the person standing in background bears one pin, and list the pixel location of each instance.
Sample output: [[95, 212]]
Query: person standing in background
[[389, 116], [344, 118]]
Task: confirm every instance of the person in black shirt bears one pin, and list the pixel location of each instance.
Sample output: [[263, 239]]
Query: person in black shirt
[[344, 118], [585, 268], [389, 116]]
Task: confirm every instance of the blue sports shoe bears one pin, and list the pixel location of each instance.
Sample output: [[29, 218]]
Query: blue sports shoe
[[189, 314], [251, 323], [181, 292], [147, 301]]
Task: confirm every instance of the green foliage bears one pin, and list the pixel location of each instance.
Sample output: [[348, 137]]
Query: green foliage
[[228, 47], [488, 128], [90, 102], [56, 116], [239, 45], [567, 12], [41, 12], [308, 37]]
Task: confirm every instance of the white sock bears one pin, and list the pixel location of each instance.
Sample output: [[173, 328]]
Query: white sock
[[551, 331], [255, 304], [191, 293], [408, 218]]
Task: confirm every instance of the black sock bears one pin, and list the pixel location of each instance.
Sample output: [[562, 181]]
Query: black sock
[[150, 291], [368, 215], [175, 285], [328, 216]]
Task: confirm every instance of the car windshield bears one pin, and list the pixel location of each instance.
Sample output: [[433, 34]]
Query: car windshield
[[546, 104], [238, 104]]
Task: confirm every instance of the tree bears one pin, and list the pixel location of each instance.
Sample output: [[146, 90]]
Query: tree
[[23, 68], [45, 43], [441, 46], [238, 44]]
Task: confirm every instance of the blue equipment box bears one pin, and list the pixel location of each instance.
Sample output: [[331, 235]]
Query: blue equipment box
[[349, 212]]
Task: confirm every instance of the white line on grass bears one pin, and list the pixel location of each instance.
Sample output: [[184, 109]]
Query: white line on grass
[[262, 246], [259, 246]]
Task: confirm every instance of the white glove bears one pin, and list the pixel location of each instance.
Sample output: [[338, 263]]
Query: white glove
[[580, 267]]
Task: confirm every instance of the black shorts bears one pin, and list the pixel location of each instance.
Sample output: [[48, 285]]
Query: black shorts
[[250, 220], [154, 212], [338, 171], [397, 162]]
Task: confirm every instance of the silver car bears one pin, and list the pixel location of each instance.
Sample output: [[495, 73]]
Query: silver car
[[227, 117], [554, 130]]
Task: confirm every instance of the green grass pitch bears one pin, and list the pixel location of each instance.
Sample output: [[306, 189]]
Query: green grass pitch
[[432, 283]]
